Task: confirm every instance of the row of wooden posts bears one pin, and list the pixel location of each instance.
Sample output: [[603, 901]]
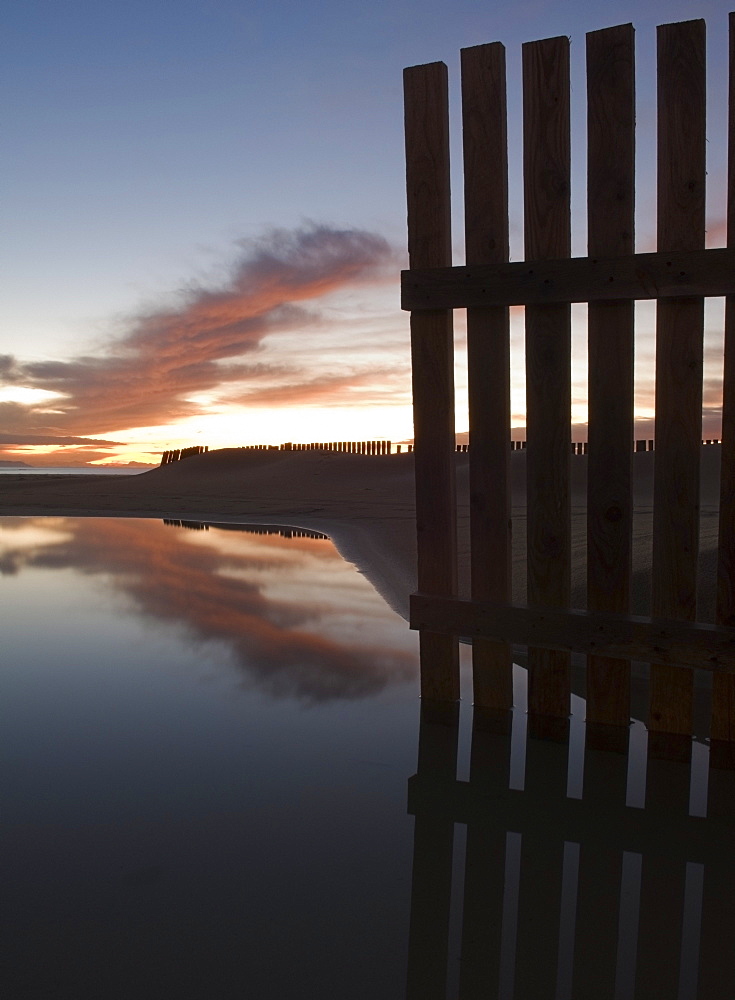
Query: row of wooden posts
[[370, 448], [176, 454], [581, 447], [250, 529], [346, 447]]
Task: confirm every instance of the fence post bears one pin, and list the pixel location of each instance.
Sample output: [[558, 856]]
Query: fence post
[[432, 361], [611, 220], [546, 178], [484, 132], [679, 348]]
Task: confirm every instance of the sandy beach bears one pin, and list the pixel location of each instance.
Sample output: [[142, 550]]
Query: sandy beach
[[365, 504]]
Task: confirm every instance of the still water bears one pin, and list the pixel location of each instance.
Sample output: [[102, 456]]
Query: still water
[[68, 470], [210, 789]]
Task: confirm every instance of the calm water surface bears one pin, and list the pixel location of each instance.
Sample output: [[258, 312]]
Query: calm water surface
[[210, 790], [66, 470]]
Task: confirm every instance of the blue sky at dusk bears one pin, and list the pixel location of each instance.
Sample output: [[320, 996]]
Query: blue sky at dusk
[[204, 213]]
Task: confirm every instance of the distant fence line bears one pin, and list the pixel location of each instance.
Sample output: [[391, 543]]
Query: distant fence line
[[250, 529], [580, 447], [345, 447], [175, 522], [178, 453], [376, 448]]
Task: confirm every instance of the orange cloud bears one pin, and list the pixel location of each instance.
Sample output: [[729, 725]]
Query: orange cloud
[[346, 387], [151, 374], [716, 235]]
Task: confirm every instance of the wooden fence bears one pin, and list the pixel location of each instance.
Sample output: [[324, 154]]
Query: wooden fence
[[610, 278], [177, 454], [345, 447], [599, 894]]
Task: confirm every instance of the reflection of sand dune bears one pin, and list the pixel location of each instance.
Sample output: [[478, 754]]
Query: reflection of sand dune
[[264, 598]]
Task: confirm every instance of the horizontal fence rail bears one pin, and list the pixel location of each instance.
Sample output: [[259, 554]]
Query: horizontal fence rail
[[571, 279], [670, 642]]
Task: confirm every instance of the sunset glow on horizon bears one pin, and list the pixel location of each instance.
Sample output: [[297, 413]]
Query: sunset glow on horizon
[[207, 219]]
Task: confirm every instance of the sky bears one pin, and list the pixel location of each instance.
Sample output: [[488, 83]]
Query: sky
[[204, 215]]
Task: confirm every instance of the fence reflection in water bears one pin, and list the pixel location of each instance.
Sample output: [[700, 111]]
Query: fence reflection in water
[[562, 896]]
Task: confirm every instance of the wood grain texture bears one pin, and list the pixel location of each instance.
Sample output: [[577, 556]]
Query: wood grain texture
[[599, 277], [679, 350], [599, 633], [610, 223], [546, 149], [426, 121], [432, 359], [485, 152], [546, 185], [723, 690]]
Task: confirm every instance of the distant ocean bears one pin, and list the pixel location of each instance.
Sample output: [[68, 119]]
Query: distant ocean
[[67, 471]]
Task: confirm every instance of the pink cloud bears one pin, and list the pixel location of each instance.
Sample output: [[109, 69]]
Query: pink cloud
[[149, 375]]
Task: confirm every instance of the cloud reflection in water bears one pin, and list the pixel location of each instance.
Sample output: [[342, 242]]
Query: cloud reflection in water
[[297, 619]]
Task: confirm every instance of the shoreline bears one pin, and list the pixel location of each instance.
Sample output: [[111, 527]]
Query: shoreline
[[365, 504]]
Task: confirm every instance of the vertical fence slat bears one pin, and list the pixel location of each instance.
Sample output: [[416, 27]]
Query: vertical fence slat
[[546, 182], [723, 686], [485, 148], [610, 215], [432, 359], [679, 347]]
